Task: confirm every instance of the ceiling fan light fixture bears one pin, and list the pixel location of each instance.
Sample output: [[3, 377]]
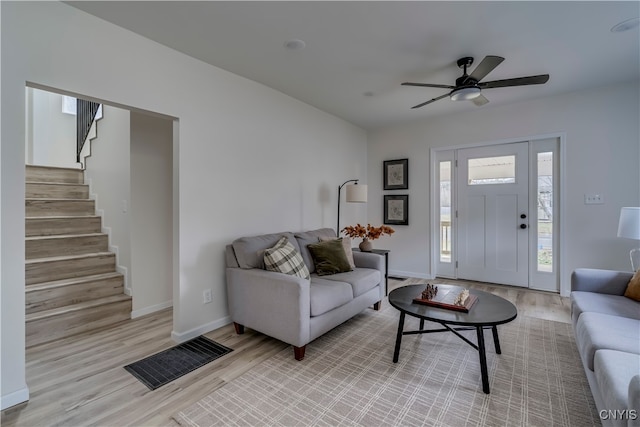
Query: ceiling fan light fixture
[[465, 93]]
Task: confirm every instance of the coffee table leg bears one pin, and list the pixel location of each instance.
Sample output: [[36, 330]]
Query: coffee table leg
[[483, 360], [496, 340], [396, 352]]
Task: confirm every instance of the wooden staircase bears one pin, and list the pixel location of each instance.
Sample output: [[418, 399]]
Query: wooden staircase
[[71, 281]]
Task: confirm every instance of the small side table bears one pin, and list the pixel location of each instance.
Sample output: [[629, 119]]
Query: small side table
[[385, 253]]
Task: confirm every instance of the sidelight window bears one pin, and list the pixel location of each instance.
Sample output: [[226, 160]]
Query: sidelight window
[[545, 212], [445, 211]]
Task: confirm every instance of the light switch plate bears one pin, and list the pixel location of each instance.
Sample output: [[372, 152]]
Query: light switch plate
[[593, 199]]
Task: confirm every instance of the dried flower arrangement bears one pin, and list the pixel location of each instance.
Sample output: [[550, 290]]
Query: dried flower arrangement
[[369, 232]]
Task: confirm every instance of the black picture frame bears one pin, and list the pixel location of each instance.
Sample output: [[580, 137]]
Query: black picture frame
[[396, 174], [396, 209]]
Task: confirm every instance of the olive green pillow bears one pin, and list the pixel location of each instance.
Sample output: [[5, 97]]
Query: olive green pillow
[[346, 244], [329, 257]]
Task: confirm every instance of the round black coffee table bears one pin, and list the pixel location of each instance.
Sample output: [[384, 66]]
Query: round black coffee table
[[488, 311]]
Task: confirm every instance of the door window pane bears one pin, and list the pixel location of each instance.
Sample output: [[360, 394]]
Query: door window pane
[[492, 170], [445, 211], [545, 212]]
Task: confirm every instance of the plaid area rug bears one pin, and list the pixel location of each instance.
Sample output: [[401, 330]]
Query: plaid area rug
[[348, 378]]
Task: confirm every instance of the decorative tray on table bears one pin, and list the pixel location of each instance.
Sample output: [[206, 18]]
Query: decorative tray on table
[[451, 298]]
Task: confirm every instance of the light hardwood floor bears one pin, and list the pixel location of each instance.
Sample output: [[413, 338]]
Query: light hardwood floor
[[80, 381]]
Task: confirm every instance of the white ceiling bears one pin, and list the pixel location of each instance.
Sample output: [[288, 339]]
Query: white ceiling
[[353, 48]]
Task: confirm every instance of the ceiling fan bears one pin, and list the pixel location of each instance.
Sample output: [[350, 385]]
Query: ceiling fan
[[469, 86]]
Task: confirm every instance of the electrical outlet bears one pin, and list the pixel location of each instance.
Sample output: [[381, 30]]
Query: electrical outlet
[[206, 296], [593, 199]]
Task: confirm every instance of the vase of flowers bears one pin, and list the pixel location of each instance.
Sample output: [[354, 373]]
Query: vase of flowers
[[367, 234], [365, 245]]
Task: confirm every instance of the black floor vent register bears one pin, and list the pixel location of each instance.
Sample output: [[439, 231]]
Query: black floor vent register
[[168, 365]]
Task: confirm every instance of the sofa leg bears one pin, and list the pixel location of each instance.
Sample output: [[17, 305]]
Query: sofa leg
[[298, 352], [376, 306], [239, 328]]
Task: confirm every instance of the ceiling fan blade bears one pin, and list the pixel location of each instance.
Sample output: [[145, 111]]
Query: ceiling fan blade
[[428, 85], [518, 81], [485, 67], [480, 100], [430, 101]]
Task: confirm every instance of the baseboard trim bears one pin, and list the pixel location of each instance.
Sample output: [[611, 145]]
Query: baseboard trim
[[181, 337], [399, 273], [12, 399], [151, 309]]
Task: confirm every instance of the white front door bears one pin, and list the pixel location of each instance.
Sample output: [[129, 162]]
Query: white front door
[[493, 214]]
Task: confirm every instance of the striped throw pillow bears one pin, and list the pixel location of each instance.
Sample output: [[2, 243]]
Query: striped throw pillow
[[284, 258]]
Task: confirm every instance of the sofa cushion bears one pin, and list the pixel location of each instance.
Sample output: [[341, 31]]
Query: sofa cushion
[[597, 331], [250, 250], [326, 295], [284, 258], [329, 257], [633, 288], [360, 279], [614, 371], [346, 244], [615, 305], [308, 238]]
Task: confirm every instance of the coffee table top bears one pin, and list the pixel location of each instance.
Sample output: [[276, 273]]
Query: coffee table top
[[488, 310]]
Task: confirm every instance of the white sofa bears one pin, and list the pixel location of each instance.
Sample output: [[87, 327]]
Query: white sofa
[[607, 330]]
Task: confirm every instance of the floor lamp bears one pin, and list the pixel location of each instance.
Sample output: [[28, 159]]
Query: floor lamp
[[629, 227], [355, 194]]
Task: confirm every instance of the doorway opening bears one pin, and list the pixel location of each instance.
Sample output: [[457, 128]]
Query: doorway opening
[[131, 173]]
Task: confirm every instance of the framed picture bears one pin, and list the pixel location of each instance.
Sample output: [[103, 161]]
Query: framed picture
[[396, 174], [396, 210]]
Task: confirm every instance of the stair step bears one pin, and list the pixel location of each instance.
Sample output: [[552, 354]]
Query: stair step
[[50, 190], [59, 207], [62, 225], [60, 293], [35, 173], [41, 270], [63, 245], [61, 322]]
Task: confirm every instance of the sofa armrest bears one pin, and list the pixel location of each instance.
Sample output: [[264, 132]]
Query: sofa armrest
[[375, 262], [369, 260], [600, 281], [275, 304]]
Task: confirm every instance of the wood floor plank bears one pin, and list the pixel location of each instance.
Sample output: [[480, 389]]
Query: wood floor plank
[[80, 380]]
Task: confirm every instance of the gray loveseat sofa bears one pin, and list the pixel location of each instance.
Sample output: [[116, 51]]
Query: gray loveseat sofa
[[607, 330], [292, 309]]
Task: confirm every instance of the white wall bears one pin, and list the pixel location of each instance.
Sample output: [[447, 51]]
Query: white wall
[[151, 213], [107, 173], [602, 156], [247, 158], [51, 137]]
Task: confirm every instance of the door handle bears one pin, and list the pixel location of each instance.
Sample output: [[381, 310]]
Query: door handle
[[523, 216], [523, 226]]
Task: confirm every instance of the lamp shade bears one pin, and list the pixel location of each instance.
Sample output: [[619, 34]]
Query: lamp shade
[[629, 225], [356, 193]]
